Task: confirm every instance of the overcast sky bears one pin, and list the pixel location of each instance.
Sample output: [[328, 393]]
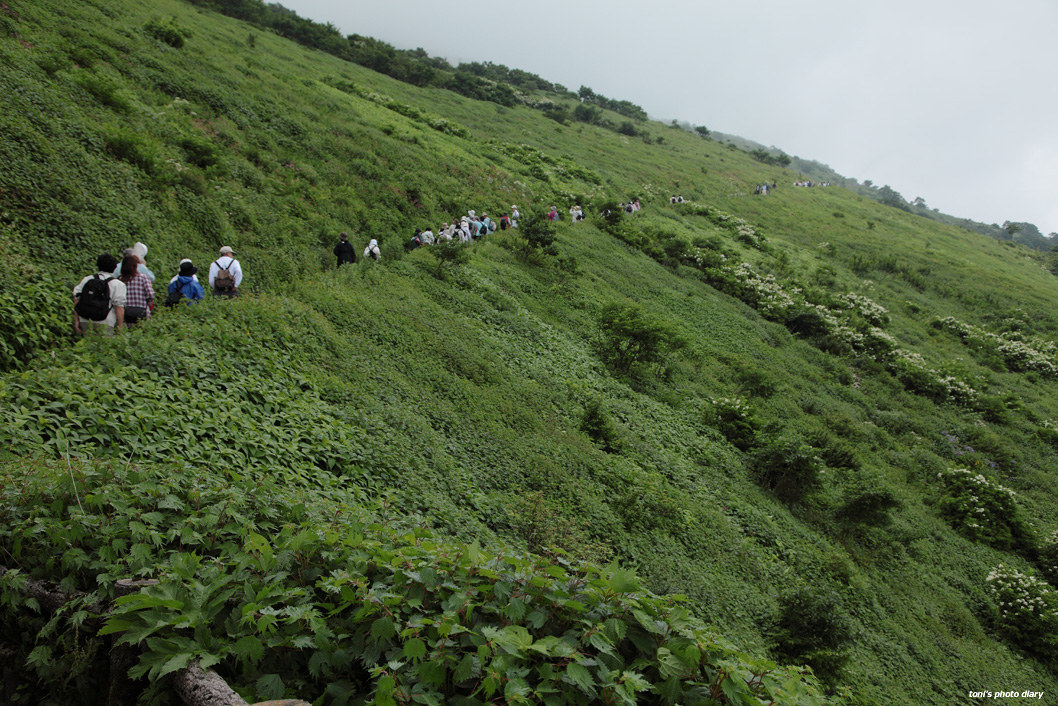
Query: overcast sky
[[950, 100]]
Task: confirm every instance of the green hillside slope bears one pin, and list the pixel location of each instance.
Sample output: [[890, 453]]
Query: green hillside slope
[[822, 422]]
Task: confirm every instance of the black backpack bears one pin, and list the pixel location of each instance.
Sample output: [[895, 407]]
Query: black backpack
[[94, 302], [176, 295]]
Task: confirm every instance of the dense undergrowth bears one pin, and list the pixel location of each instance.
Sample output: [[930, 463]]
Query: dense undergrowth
[[822, 422]]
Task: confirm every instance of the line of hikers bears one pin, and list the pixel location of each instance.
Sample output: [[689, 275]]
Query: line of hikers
[[121, 293], [467, 229]]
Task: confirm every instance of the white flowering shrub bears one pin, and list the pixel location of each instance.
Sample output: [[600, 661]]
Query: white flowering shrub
[[874, 314], [1017, 353], [765, 293], [742, 229], [1027, 610], [982, 509], [838, 329], [735, 419], [1049, 557], [912, 371]]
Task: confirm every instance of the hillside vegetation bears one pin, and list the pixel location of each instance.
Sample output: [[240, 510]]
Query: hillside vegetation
[[645, 465]]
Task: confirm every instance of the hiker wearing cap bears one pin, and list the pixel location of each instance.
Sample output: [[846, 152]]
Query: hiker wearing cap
[[139, 292], [515, 216], [185, 286], [139, 251], [575, 214], [99, 300], [552, 215], [225, 274], [344, 250]]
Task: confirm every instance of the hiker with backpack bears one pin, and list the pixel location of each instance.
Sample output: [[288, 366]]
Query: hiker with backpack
[[185, 286], [139, 292], [99, 300], [344, 250], [372, 250], [225, 274]]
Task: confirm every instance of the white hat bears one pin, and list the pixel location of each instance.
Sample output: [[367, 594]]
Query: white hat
[[139, 250], [226, 250]]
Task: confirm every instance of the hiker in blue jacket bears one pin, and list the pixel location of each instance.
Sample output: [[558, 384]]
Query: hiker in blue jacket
[[187, 284]]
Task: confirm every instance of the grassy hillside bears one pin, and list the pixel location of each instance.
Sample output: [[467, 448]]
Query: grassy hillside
[[319, 469]]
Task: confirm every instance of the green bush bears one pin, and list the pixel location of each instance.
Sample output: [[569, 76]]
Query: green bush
[[788, 467], [538, 236], [450, 254], [867, 507], [983, 510], [632, 341], [600, 428], [106, 91], [811, 628], [134, 148], [168, 33], [735, 419], [1026, 610]]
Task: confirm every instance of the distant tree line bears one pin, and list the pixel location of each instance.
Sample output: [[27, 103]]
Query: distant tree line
[[625, 108], [779, 160], [481, 81]]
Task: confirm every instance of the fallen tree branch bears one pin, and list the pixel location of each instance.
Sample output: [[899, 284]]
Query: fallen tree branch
[[200, 688], [51, 597]]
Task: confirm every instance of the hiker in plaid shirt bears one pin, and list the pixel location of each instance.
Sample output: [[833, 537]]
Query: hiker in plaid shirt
[[139, 292]]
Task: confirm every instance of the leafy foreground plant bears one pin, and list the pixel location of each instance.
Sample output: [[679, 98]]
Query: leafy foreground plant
[[282, 584]]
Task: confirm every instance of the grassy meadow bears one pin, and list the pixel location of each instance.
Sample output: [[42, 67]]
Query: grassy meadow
[[410, 481]]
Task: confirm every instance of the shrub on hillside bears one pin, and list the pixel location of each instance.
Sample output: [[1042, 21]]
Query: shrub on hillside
[[1027, 610], [633, 341], [600, 428], [735, 419], [788, 467], [167, 33], [834, 452], [811, 628], [538, 236], [1049, 558], [134, 148], [450, 254], [866, 506], [106, 91], [983, 510]]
